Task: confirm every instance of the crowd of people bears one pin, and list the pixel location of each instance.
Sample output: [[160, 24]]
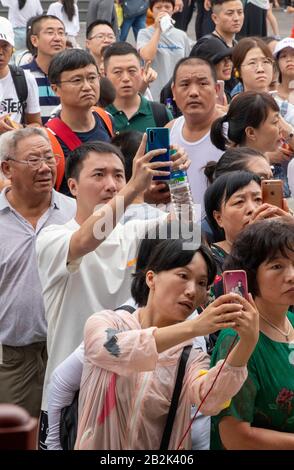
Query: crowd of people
[[102, 292]]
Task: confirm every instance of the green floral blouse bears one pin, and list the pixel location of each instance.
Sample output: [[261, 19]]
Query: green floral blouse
[[266, 399]]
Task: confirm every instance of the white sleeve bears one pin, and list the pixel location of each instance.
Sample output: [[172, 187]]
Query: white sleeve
[[53, 10], [33, 104], [64, 383], [143, 38], [38, 8]]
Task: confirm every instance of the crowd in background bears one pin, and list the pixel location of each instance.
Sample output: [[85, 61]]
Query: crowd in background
[[99, 301]]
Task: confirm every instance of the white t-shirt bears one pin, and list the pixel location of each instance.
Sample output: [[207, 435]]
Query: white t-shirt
[[264, 4], [73, 292], [200, 152], [9, 102], [71, 27], [173, 46], [19, 18]]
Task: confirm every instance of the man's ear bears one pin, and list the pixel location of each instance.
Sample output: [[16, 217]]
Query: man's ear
[[214, 18], [172, 89], [6, 169], [55, 89], [34, 40], [73, 186]]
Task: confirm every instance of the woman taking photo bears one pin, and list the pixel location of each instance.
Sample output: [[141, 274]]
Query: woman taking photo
[[261, 415], [131, 360], [68, 12], [232, 202]]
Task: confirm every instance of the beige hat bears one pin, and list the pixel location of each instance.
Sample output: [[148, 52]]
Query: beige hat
[[6, 31]]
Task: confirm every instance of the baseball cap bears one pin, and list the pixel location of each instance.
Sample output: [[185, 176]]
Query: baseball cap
[[287, 42], [6, 31], [212, 49]]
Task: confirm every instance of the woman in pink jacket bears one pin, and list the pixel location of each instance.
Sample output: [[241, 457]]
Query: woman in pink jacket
[[131, 360]]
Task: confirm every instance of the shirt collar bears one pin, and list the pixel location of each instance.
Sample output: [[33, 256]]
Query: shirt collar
[[4, 203], [143, 108]]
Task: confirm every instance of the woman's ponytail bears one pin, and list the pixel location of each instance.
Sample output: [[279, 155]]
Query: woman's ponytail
[[217, 133]]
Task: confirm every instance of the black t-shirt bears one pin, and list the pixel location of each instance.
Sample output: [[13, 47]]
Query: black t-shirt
[[99, 132]]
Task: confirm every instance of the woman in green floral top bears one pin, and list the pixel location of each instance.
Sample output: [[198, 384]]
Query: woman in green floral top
[[261, 415]]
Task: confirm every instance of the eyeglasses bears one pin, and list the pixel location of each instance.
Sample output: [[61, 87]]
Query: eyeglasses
[[52, 33], [104, 36], [35, 162], [253, 64], [79, 81]]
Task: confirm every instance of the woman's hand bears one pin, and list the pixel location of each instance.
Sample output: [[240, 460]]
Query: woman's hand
[[247, 324], [224, 312], [267, 211]]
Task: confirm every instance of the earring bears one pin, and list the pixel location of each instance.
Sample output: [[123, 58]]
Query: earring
[[237, 73]]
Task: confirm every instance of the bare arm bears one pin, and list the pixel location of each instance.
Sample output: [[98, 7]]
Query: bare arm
[[99, 225], [218, 315], [149, 51], [33, 119], [239, 435]]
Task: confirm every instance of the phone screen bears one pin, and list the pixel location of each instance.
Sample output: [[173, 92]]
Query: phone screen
[[158, 138], [235, 282]]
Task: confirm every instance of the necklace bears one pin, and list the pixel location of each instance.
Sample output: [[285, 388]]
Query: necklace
[[278, 329]]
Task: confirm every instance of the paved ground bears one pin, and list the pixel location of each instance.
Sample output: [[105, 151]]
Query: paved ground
[[285, 22]]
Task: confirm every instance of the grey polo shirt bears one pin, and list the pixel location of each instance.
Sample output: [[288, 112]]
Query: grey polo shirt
[[22, 313]]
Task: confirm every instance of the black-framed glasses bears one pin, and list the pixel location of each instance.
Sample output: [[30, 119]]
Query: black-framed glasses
[[35, 162]]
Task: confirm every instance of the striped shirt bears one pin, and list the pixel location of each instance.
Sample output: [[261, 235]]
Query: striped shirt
[[48, 100]]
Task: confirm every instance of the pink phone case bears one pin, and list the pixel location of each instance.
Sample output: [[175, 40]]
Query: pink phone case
[[235, 282]]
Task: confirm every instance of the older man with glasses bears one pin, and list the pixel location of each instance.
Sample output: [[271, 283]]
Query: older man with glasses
[[26, 206]]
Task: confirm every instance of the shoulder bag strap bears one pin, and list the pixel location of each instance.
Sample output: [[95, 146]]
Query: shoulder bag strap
[[175, 399]]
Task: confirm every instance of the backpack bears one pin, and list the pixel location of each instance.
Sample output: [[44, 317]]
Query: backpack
[[56, 127], [159, 113], [21, 87], [69, 414]]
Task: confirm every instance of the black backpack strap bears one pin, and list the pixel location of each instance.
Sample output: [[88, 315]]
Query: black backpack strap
[[159, 113], [128, 308], [21, 86], [175, 399]]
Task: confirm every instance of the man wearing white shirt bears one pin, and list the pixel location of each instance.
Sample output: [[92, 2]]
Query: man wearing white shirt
[[78, 275]]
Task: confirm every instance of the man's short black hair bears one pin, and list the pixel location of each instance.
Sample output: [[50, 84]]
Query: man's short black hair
[[97, 23], [192, 61], [219, 2], [36, 22], [119, 48], [69, 59], [152, 3], [76, 158]]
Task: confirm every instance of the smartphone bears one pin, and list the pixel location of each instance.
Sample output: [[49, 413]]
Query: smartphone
[[272, 192], [235, 282], [158, 138]]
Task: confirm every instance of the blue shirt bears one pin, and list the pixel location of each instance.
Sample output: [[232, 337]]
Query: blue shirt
[[48, 100], [99, 132]]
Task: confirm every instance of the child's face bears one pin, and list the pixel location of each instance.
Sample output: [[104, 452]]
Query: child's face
[[162, 7]]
